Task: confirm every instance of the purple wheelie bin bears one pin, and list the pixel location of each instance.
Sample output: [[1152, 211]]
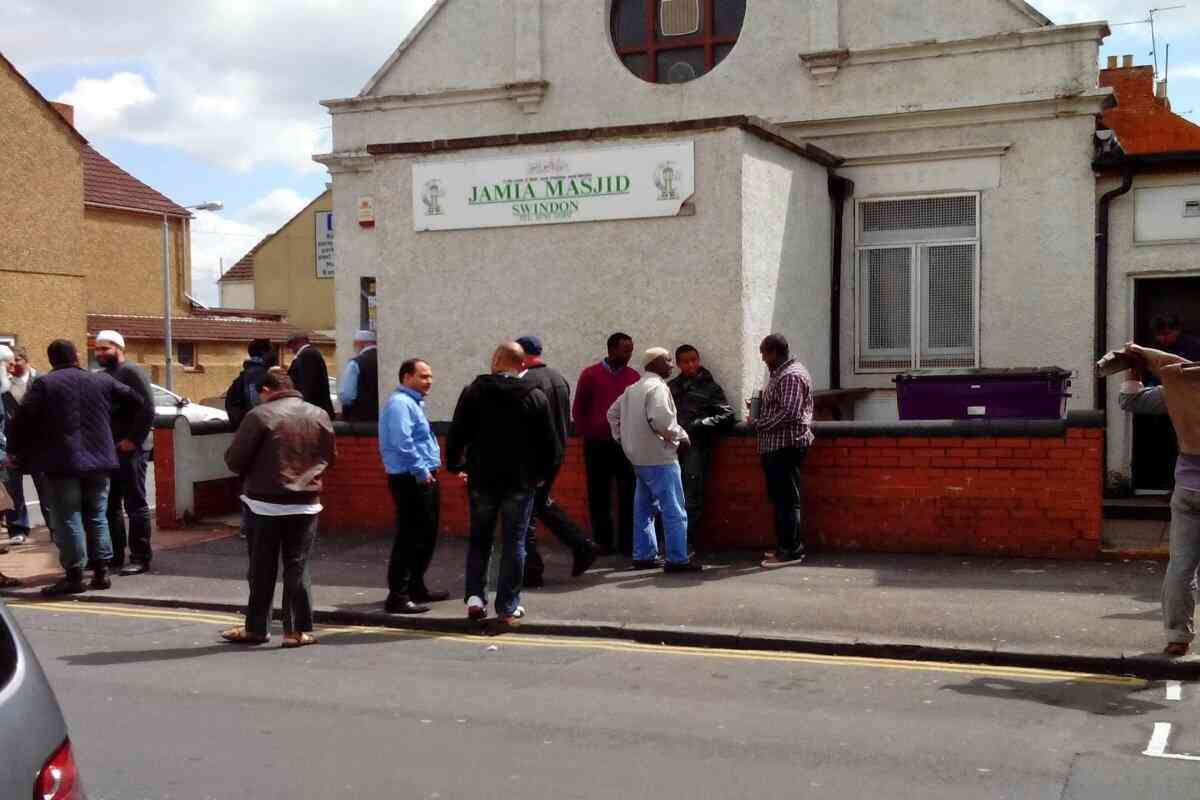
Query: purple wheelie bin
[[1015, 393]]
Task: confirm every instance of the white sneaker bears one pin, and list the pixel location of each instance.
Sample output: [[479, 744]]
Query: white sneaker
[[476, 608]]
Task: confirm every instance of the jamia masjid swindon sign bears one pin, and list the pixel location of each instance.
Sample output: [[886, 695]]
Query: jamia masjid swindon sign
[[550, 188]]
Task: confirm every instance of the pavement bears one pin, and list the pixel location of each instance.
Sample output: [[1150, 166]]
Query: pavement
[[378, 712], [1099, 616]]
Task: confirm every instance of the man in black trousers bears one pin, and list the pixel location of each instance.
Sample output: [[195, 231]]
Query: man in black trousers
[[308, 372], [127, 488], [545, 510]]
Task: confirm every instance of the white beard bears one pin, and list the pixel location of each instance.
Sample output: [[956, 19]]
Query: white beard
[[5, 380]]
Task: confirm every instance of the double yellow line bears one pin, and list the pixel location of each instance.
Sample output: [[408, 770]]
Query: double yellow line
[[613, 646]]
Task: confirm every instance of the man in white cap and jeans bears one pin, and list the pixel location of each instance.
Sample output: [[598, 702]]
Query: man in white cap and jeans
[[359, 387], [127, 488], [644, 421]]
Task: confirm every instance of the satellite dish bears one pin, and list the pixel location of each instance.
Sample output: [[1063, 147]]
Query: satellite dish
[[681, 72]]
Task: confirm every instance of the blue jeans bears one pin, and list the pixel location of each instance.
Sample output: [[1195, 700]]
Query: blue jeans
[[1179, 583], [18, 518], [513, 509], [79, 505], [659, 490]]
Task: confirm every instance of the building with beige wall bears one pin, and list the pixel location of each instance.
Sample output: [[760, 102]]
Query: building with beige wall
[[41, 159], [292, 270]]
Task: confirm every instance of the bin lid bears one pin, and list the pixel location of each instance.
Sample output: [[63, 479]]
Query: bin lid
[[988, 373]]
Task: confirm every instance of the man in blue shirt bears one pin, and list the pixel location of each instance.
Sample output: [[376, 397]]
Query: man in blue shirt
[[411, 458], [359, 390]]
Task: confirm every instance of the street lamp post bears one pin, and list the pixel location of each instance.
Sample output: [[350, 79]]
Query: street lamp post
[[168, 344]]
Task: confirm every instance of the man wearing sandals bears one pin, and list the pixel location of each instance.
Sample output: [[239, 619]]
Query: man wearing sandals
[[1178, 396], [281, 450]]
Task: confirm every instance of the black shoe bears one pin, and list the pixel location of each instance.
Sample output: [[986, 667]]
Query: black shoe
[[135, 568], [584, 558], [686, 566], [646, 563], [100, 579], [429, 596], [72, 583], [404, 606], [533, 580]]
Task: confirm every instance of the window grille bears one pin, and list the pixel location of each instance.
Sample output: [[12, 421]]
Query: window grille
[[918, 283]]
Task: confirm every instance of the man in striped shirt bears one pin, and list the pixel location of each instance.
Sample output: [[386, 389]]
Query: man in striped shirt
[[784, 428]]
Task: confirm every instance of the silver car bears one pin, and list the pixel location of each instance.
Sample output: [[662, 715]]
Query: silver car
[[35, 752]]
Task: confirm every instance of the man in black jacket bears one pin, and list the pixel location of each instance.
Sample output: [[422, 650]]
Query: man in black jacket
[[545, 510], [503, 440], [358, 388], [308, 372], [130, 428], [703, 413], [64, 428], [242, 395]]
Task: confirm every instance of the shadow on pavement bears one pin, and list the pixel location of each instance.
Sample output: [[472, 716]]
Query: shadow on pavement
[[1109, 701]]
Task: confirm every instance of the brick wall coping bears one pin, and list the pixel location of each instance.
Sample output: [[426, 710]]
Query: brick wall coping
[[1034, 428]]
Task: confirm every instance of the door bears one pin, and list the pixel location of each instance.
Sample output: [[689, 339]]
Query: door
[[1154, 444]]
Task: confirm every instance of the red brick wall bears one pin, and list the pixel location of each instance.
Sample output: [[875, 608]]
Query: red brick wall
[[164, 478], [1023, 496]]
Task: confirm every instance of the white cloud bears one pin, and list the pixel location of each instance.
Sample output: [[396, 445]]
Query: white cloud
[[275, 208], [235, 84], [216, 238], [101, 104]]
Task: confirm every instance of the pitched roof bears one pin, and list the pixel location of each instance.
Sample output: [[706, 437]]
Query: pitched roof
[[67, 127], [106, 184], [1144, 122], [241, 271], [197, 329]]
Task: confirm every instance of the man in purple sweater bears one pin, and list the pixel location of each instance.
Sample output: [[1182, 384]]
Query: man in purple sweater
[[598, 388]]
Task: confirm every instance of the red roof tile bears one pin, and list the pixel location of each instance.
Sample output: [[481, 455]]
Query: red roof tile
[[241, 271], [197, 329], [1143, 122], [106, 184]]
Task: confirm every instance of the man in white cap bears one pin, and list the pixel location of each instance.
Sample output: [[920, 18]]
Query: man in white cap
[[130, 428], [359, 387], [644, 421]]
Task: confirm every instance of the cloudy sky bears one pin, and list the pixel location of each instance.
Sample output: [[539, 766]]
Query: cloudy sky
[[217, 99]]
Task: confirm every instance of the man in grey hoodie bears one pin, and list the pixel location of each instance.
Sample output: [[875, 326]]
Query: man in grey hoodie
[[644, 421]]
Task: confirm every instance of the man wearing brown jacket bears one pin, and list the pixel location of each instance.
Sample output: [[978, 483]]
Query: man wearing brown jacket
[[281, 449]]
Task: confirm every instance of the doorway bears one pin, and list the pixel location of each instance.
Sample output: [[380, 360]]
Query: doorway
[[1154, 443]]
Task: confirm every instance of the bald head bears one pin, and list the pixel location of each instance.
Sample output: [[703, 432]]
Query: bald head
[[509, 357]]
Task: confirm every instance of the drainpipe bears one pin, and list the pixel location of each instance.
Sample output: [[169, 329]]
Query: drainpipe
[[1100, 392], [840, 189], [1102, 225]]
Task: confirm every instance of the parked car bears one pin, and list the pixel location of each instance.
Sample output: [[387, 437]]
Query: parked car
[[169, 404], [35, 751]]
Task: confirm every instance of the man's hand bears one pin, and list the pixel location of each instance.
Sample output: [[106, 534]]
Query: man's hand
[[428, 480], [126, 446]]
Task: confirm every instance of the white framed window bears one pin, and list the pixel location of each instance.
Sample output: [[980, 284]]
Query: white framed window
[[917, 283]]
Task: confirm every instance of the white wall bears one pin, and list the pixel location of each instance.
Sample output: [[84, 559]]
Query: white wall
[[452, 296], [1159, 213], [786, 228], [237, 294]]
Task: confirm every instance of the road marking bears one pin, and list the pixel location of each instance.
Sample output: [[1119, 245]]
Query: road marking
[[1158, 744], [610, 645], [1174, 690]]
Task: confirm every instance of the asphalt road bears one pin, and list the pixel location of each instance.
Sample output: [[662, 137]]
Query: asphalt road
[[159, 709]]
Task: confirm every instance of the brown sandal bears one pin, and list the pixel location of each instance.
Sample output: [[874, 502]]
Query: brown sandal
[[240, 635], [1177, 649], [291, 640]]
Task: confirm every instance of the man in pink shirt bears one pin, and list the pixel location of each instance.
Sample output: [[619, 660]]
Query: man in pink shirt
[[598, 388]]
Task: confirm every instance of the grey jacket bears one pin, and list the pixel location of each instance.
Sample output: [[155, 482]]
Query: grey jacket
[[1138, 399], [644, 421]]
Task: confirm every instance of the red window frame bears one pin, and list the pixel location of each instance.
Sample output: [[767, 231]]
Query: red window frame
[[655, 43]]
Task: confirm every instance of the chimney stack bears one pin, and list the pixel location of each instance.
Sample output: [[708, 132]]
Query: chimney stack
[[67, 112], [1112, 62], [1160, 91], [1127, 62]]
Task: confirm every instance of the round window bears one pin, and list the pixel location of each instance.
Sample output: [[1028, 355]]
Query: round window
[[675, 41]]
